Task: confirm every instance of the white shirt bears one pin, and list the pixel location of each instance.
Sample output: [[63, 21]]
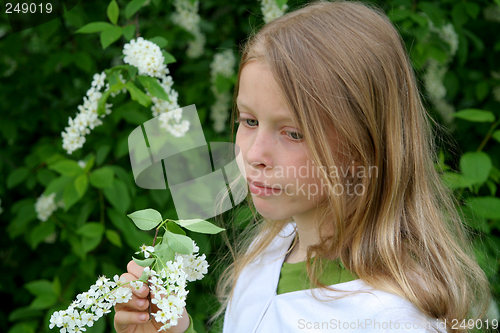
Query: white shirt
[[255, 306]]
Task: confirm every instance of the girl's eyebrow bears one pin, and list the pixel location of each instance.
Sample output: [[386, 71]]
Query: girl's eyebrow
[[274, 118]]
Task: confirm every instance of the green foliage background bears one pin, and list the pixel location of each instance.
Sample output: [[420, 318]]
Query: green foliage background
[[45, 71]]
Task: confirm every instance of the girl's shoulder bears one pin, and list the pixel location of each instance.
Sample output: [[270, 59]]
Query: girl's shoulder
[[356, 306]]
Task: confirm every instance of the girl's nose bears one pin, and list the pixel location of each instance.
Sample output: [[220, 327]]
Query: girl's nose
[[260, 150]]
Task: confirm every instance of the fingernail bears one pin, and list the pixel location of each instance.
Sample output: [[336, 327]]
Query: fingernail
[[141, 302], [143, 289], [143, 317]]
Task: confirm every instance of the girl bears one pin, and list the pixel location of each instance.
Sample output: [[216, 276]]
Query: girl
[[358, 233]]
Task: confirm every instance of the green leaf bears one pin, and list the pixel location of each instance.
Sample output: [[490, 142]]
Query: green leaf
[[128, 31], [475, 115], [154, 88], [473, 9], [45, 176], [24, 313], [168, 58], [101, 154], [94, 27], [90, 243], [44, 301], [146, 219], [144, 263], [102, 178], [114, 238], [113, 11], [89, 163], [17, 176], [70, 195], [454, 180], [476, 166], [133, 7], [39, 287], [81, 184], [118, 195], [482, 90], [496, 135], [164, 252], [137, 95], [173, 227], [110, 36], [433, 12], [179, 243], [281, 3], [101, 104], [40, 233], [57, 185], [160, 41], [91, 230], [23, 327], [66, 168], [486, 207], [200, 226]]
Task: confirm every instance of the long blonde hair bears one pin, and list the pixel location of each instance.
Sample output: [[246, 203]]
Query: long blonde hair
[[343, 69]]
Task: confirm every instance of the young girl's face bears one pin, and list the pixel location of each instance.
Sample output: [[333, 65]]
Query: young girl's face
[[280, 175]]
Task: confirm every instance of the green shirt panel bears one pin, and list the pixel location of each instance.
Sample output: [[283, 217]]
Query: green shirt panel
[[293, 277]]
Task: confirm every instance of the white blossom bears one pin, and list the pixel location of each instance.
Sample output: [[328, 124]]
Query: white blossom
[[167, 289], [433, 79], [147, 250], [146, 56], [223, 64], [74, 135], [45, 206], [492, 13], [186, 16], [271, 10]]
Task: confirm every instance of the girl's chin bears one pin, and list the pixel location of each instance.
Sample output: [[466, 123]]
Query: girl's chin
[[269, 210]]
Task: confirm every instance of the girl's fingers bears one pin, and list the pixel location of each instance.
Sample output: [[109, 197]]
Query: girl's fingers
[[125, 318], [136, 304], [134, 269]]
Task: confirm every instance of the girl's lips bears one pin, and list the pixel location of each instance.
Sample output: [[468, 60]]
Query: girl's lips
[[260, 190]]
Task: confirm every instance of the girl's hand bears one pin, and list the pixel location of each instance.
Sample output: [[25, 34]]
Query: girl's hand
[[133, 317]]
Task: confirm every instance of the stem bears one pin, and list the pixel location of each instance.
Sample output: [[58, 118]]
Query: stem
[[156, 235], [488, 135], [101, 202], [137, 34]]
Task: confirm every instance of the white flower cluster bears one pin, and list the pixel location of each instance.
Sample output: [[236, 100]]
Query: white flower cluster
[[496, 90], [146, 56], [492, 13], [91, 305], [186, 16], [435, 72], [167, 288], [178, 128], [45, 206], [223, 64], [87, 119], [448, 34], [271, 10], [433, 80]]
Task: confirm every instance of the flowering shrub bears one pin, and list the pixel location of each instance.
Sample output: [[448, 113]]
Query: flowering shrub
[[175, 260], [63, 216]]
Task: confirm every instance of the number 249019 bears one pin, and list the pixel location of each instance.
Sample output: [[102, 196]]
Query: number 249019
[[25, 8]]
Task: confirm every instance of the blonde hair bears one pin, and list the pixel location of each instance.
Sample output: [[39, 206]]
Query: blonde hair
[[346, 76]]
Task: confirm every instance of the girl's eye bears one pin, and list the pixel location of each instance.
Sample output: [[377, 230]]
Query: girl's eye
[[295, 135], [249, 122]]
